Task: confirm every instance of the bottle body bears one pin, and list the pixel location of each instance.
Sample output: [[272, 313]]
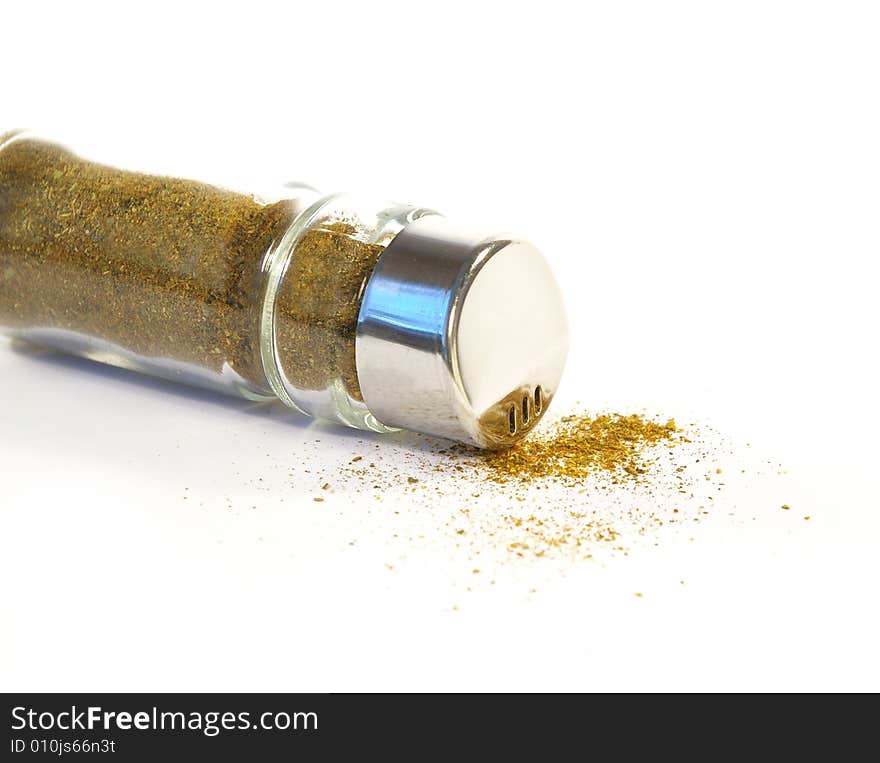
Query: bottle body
[[149, 273], [188, 281]]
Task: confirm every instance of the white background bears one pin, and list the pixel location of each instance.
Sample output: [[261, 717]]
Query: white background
[[705, 180]]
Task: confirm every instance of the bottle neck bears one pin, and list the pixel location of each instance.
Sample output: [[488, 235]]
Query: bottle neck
[[316, 276]]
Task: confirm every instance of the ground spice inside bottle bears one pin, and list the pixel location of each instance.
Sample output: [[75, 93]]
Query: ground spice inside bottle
[[318, 311], [168, 275]]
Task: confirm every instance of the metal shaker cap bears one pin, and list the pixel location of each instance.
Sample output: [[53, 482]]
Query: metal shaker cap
[[460, 335]]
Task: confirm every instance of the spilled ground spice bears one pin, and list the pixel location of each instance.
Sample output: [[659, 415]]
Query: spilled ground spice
[[581, 485], [584, 491], [576, 457], [578, 446]]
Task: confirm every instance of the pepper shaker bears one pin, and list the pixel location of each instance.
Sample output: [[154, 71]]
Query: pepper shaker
[[373, 314]]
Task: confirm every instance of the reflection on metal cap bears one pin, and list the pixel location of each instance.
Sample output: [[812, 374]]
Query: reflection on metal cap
[[460, 335]]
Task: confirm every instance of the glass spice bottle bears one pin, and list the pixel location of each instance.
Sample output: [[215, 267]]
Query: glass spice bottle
[[372, 314]]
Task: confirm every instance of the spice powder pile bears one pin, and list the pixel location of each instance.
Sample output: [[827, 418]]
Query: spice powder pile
[[579, 446], [580, 486]]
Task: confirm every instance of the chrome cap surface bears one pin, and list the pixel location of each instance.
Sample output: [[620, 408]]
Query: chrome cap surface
[[460, 335]]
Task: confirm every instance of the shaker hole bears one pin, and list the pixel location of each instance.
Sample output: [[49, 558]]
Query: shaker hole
[[539, 399], [511, 419], [525, 410]]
